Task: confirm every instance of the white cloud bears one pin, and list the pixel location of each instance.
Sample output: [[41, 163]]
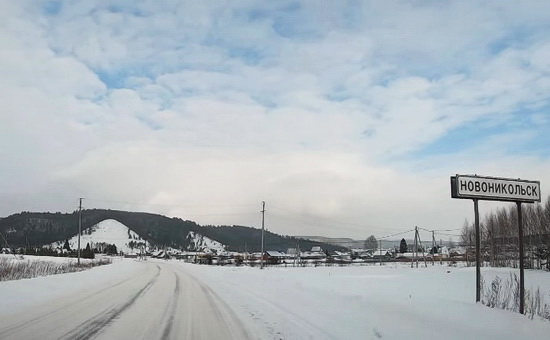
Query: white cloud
[[317, 110]]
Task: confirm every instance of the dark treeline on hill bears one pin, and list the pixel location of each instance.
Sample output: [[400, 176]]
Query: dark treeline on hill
[[31, 230], [238, 238]]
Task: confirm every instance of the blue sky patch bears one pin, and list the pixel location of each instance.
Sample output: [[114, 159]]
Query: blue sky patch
[[112, 80], [52, 7], [475, 133], [249, 56]]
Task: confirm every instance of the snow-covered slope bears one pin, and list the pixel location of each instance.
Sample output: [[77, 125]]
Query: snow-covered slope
[[200, 242], [114, 232], [109, 232]]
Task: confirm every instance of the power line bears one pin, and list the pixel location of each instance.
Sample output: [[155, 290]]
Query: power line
[[308, 223], [222, 214], [307, 220], [325, 221], [311, 222], [396, 234], [446, 234], [437, 230]]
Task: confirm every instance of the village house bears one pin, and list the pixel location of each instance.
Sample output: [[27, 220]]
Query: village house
[[381, 254], [274, 257]]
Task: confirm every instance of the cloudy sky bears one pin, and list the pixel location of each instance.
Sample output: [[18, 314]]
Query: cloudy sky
[[347, 118]]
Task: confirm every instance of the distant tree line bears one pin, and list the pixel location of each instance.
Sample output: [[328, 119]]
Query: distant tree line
[[499, 236]]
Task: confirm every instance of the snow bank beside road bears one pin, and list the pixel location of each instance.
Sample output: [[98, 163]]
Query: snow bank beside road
[[20, 294], [34, 258], [26, 267], [370, 302]]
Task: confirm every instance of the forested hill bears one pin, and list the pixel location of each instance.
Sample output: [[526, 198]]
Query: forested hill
[[241, 238], [31, 229]]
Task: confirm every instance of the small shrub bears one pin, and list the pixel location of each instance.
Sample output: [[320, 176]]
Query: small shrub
[[17, 269], [507, 295]]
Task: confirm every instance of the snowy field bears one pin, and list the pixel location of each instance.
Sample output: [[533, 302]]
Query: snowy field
[[130, 299], [370, 302]]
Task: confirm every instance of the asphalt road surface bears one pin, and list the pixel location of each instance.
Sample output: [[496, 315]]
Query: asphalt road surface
[[160, 301]]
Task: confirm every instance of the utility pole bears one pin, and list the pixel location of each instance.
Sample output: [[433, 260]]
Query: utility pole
[[421, 247], [433, 249], [416, 245], [79, 227], [263, 219], [414, 249], [299, 252], [296, 253], [380, 250]]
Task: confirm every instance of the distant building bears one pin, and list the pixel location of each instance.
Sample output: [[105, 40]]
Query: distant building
[[274, 257], [381, 254], [317, 249]]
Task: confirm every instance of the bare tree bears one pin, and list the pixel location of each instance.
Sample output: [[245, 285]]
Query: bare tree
[[371, 243], [499, 235]]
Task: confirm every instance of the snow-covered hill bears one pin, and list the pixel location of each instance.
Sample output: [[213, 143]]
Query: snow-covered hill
[[201, 242], [108, 232], [127, 241]]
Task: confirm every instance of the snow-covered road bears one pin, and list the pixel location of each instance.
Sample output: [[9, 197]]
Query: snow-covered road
[[146, 301], [157, 299]]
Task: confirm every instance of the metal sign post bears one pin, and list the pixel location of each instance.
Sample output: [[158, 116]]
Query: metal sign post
[[521, 275], [496, 189], [478, 251]]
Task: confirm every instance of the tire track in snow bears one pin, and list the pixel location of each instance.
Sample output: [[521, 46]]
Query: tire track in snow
[[312, 330], [14, 328], [95, 325], [219, 310], [172, 309]]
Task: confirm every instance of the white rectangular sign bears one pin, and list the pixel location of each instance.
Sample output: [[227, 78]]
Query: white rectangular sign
[[491, 188]]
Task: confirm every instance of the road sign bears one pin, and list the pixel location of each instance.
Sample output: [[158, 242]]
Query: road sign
[[495, 189]]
